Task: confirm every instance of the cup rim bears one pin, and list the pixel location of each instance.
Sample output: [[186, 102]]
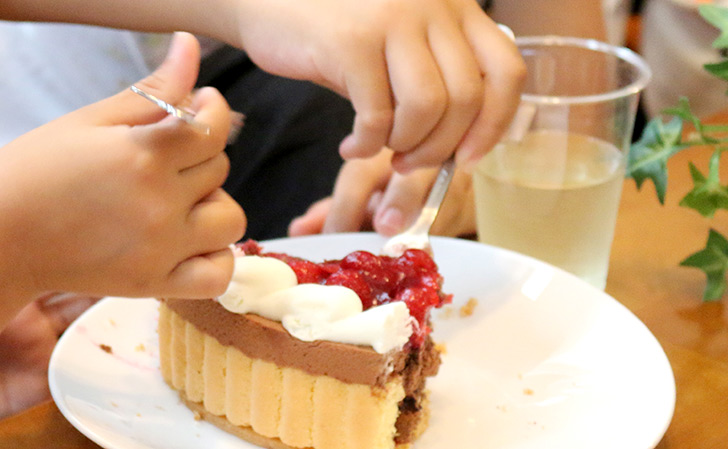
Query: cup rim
[[623, 53]]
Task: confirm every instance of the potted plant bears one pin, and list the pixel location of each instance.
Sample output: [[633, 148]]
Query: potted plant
[[662, 138]]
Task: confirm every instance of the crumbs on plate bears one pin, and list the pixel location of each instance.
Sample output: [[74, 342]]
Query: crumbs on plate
[[445, 312], [468, 308], [106, 348], [464, 311]]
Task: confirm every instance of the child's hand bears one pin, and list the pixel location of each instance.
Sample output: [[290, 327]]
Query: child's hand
[[119, 199], [427, 78]]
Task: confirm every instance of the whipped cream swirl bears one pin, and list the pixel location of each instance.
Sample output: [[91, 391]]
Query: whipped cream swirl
[[268, 287]]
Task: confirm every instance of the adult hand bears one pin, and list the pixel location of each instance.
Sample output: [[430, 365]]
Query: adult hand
[[369, 195], [26, 345], [426, 77], [117, 198]]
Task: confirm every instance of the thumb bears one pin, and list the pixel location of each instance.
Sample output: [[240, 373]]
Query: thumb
[[172, 82]]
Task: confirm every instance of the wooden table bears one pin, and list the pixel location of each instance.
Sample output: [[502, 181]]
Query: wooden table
[[649, 243]]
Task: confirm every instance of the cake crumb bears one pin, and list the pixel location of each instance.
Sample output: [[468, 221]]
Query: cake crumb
[[140, 347], [197, 416], [446, 312], [114, 404], [379, 393], [441, 348], [528, 392], [112, 322], [469, 307], [106, 348]]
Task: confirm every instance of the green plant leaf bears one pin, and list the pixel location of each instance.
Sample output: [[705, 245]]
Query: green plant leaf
[[718, 17], [648, 156], [684, 111], [718, 69], [713, 260], [708, 195]]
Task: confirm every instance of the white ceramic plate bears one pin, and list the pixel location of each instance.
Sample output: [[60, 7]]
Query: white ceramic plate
[[545, 361]]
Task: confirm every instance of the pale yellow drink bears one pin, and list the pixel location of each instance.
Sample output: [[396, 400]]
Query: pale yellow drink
[[553, 196]]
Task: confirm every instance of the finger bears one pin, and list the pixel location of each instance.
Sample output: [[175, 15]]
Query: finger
[[402, 200], [63, 308], [373, 205], [354, 185], [505, 74], [201, 276], [311, 222], [213, 111], [183, 146], [369, 91], [465, 88], [205, 178], [171, 82], [419, 89], [215, 222]]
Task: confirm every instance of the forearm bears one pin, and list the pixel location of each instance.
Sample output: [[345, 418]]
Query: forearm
[[16, 285], [214, 18], [582, 18]]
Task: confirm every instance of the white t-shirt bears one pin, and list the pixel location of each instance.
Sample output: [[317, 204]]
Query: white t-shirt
[[48, 70], [676, 43]]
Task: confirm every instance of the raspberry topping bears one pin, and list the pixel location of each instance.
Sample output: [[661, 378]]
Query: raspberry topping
[[411, 278]]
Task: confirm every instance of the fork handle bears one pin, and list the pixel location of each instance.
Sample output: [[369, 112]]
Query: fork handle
[[434, 199]]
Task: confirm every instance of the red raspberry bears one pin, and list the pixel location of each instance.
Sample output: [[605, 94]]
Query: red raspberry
[[307, 272], [419, 301], [411, 278], [356, 282], [371, 267], [419, 259], [250, 248], [361, 261]]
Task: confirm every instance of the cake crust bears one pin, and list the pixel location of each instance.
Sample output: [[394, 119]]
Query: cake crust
[[245, 432], [285, 407], [297, 408]]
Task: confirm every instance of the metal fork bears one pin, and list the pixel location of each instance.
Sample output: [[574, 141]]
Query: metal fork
[[418, 235], [236, 118]]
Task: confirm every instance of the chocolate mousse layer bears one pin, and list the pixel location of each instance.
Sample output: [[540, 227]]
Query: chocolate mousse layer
[[265, 339]]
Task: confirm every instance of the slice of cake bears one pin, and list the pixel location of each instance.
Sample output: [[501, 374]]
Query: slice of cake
[[298, 354]]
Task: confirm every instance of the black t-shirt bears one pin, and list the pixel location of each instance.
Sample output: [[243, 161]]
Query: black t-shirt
[[286, 156]]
